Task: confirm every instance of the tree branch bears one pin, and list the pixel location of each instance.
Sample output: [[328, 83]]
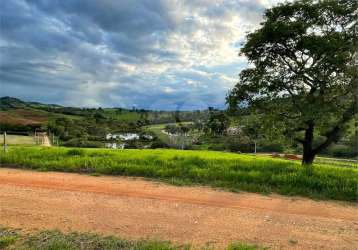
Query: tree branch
[[333, 134]]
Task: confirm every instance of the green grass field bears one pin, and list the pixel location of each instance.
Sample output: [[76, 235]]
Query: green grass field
[[157, 130], [56, 240], [18, 140], [337, 162], [230, 171]]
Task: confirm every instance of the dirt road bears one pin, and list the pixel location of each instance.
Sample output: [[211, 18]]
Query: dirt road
[[135, 208]]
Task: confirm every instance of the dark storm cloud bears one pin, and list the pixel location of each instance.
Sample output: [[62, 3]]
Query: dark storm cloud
[[132, 17], [129, 27], [152, 54]]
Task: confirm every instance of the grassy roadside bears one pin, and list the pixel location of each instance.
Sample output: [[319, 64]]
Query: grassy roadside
[[55, 240], [233, 172]]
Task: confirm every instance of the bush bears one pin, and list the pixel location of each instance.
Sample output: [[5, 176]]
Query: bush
[[6, 241], [342, 151], [131, 144], [217, 147], [235, 146], [270, 147], [241, 246], [7, 237], [19, 127], [80, 142], [159, 144]]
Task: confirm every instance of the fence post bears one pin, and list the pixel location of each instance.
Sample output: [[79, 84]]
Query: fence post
[[5, 146], [36, 137]]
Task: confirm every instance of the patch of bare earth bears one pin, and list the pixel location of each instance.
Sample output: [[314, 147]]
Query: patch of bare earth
[[135, 208]]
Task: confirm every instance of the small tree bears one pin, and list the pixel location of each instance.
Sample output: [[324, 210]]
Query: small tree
[[304, 71], [217, 122], [252, 129]]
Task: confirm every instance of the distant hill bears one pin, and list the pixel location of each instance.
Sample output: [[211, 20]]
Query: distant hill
[[85, 127], [8, 102], [18, 112]]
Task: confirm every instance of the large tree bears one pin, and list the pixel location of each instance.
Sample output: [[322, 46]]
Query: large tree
[[303, 71]]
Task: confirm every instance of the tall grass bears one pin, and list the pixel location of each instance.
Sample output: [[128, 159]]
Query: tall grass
[[234, 172]]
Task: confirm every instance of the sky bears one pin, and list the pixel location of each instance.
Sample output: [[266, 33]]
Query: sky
[[152, 54]]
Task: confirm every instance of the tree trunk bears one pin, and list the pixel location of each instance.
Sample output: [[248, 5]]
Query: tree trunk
[[308, 152], [308, 157]]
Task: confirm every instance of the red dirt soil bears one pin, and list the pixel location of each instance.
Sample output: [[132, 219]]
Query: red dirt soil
[[287, 156], [136, 208]]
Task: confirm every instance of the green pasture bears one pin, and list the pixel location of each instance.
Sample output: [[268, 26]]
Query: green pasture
[[17, 140], [157, 130]]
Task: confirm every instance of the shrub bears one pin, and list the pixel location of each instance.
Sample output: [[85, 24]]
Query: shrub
[[7, 237], [240, 147], [83, 143], [217, 147], [6, 241], [158, 144], [241, 246], [270, 147], [342, 151]]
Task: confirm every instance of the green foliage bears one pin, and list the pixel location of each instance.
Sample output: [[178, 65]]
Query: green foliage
[[158, 144], [184, 134], [178, 128], [217, 122], [239, 143], [235, 144], [56, 240], [265, 146], [231, 171], [7, 237], [83, 143], [19, 127], [343, 151], [304, 78], [240, 246], [6, 241]]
